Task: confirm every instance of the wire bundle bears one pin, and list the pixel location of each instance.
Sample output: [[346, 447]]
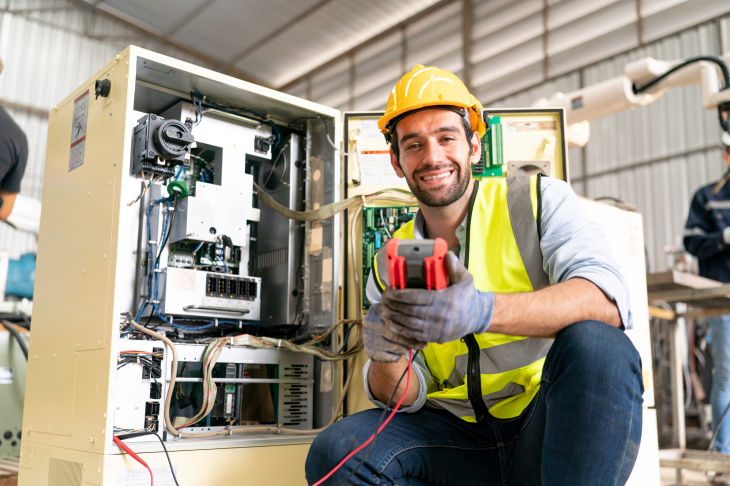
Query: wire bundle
[[142, 358]]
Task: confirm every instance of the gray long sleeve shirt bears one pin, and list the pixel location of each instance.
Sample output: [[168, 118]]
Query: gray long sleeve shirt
[[572, 246]]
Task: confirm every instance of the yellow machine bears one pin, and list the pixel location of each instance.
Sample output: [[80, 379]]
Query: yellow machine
[[154, 175]]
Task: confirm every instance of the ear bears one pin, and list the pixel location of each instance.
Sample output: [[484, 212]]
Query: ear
[[476, 145], [396, 167]]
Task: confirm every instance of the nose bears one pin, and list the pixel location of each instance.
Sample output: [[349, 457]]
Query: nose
[[433, 153]]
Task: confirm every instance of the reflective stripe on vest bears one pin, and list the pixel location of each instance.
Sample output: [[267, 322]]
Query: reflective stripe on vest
[[503, 255]]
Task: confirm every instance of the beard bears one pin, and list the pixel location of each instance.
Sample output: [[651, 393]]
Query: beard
[[444, 196]]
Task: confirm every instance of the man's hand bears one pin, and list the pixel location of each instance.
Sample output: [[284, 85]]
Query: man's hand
[[439, 316], [381, 344]]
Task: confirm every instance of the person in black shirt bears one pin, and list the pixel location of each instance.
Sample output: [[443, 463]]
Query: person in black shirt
[[13, 159]]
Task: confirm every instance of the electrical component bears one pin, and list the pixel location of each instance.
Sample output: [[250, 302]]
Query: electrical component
[[161, 145], [374, 236], [198, 293], [492, 161]]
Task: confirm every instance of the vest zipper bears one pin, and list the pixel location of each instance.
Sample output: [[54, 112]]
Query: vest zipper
[[475, 379]]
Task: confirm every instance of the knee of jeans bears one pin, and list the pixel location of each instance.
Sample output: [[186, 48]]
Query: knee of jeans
[[594, 348], [336, 441]]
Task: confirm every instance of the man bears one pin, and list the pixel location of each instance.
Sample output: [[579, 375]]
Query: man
[[499, 401], [706, 236], [13, 158]]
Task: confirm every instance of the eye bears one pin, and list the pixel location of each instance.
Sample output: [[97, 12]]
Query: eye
[[412, 146]]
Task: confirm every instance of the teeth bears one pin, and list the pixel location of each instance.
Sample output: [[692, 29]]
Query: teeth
[[435, 178]]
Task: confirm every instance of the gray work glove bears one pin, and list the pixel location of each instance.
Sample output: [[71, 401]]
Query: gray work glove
[[381, 344], [439, 316]]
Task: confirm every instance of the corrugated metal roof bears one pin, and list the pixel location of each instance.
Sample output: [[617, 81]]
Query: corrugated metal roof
[[274, 41]]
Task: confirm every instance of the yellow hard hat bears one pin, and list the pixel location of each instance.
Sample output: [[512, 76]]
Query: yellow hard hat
[[431, 87]]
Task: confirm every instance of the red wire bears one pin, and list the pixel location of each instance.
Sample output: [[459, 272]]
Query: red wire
[[134, 456], [408, 384]]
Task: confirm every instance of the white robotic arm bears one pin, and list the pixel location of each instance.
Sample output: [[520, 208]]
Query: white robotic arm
[[642, 83]]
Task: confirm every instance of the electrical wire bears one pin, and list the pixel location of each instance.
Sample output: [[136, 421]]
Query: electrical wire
[[14, 332], [379, 427], [146, 185], [385, 225], [720, 63], [171, 387], [129, 451], [240, 111], [162, 443]]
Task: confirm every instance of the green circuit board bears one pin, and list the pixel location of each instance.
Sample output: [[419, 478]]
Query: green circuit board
[[492, 151], [378, 226]]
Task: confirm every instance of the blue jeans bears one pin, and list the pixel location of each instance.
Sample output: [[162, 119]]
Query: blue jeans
[[583, 428], [720, 396]]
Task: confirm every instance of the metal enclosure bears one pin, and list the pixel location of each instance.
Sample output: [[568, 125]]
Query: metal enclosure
[[92, 256]]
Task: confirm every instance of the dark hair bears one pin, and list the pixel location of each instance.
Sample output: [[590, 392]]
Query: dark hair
[[467, 131]]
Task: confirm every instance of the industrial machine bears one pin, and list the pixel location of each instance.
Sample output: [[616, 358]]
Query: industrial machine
[[642, 83], [168, 299], [188, 281]]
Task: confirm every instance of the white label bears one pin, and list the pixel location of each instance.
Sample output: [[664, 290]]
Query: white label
[[375, 168], [78, 131], [6, 376], [369, 128], [228, 303], [141, 476], [530, 126], [229, 403], [183, 280]]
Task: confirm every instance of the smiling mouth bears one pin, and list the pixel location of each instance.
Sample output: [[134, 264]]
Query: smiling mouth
[[437, 176]]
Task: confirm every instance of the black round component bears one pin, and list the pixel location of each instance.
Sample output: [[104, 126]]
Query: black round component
[[172, 139], [294, 293], [8, 435], [212, 231], [14, 443], [102, 88], [20, 434]]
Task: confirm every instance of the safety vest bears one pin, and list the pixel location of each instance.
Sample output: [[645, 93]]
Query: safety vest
[[491, 375]]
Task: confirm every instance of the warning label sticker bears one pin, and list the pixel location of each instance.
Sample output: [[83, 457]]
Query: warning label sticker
[[141, 476], [78, 131]]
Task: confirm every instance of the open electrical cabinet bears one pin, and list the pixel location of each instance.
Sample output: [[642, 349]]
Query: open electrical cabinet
[[152, 215]]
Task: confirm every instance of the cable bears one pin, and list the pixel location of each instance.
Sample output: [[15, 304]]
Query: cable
[[129, 451], [721, 64], [162, 442], [385, 226], [344, 340], [379, 427], [239, 111], [171, 387], [14, 332]]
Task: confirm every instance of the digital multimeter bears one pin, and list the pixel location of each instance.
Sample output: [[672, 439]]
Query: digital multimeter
[[417, 264]]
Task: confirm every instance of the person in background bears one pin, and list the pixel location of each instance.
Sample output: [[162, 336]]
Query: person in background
[[13, 158], [21, 212], [707, 236]]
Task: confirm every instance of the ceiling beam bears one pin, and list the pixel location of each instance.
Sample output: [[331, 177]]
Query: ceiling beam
[[468, 41], [375, 38], [189, 18], [149, 31], [274, 35]]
